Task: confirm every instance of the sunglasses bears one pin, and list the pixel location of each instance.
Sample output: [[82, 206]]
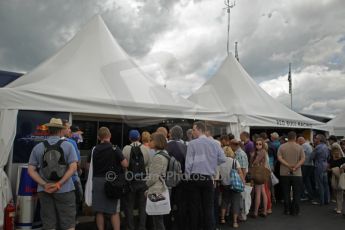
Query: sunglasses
[[259, 144]]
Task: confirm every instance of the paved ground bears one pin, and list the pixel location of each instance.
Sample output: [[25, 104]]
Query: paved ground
[[311, 217]]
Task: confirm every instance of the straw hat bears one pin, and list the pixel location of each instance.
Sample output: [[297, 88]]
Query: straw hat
[[55, 122]]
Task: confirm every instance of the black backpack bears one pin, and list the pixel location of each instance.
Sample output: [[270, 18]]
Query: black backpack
[[54, 164], [136, 163]]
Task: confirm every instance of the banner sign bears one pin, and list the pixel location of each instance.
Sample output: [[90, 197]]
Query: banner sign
[[288, 123]]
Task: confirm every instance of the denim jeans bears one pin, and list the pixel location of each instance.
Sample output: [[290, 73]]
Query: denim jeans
[[308, 174], [296, 183], [321, 180]]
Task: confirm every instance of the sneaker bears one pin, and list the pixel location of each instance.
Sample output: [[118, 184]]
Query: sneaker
[[304, 199], [235, 225], [315, 203]]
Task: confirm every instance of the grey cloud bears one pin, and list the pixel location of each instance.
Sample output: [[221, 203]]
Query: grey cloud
[[34, 30], [31, 30], [307, 21], [270, 36], [316, 90]]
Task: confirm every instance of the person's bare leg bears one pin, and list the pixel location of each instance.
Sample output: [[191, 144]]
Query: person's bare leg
[[257, 198], [264, 199], [100, 221], [235, 216], [222, 215], [115, 221]]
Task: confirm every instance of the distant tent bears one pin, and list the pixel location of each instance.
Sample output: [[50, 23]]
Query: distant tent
[[246, 104], [337, 125], [7, 77]]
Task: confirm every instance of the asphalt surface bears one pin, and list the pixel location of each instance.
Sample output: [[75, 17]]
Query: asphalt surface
[[311, 217]]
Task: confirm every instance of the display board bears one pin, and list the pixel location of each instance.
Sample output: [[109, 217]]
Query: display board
[[31, 131]]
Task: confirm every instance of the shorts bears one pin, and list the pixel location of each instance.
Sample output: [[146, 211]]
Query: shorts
[[100, 203], [57, 208], [232, 198]]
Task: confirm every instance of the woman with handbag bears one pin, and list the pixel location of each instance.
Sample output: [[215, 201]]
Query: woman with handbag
[[260, 161], [107, 162], [336, 165], [230, 197], [157, 190]]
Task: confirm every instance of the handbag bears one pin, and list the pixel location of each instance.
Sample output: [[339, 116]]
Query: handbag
[[88, 186], [117, 188], [161, 206], [274, 179], [236, 183], [260, 174], [115, 185]]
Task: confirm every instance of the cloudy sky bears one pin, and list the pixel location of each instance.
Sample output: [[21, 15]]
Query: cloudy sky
[[181, 43]]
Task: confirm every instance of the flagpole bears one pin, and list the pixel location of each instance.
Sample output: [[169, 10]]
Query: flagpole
[[290, 85]]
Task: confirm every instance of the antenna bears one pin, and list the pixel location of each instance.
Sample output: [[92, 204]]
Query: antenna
[[236, 52], [228, 7]]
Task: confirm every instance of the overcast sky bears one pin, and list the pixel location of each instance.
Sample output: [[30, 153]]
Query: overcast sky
[[181, 43]]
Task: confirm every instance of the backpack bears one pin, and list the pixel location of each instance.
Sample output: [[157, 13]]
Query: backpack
[[54, 163], [136, 163], [174, 172]]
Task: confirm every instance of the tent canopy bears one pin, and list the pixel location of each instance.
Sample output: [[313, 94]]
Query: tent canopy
[[337, 125], [93, 74], [234, 92]]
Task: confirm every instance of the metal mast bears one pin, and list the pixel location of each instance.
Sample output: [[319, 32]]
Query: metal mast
[[236, 52], [228, 7]]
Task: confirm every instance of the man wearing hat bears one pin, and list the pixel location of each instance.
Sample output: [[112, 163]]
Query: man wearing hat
[[240, 155], [138, 184], [56, 193], [242, 159]]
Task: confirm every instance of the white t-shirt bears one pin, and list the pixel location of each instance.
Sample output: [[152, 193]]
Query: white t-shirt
[[225, 168]]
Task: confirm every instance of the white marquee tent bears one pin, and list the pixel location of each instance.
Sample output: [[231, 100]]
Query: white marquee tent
[[92, 74], [234, 92], [337, 125]]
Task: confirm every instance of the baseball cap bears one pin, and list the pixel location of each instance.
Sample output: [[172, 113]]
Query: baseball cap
[[134, 134]]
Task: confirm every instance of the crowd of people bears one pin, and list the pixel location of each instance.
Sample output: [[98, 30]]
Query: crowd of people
[[281, 168]]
